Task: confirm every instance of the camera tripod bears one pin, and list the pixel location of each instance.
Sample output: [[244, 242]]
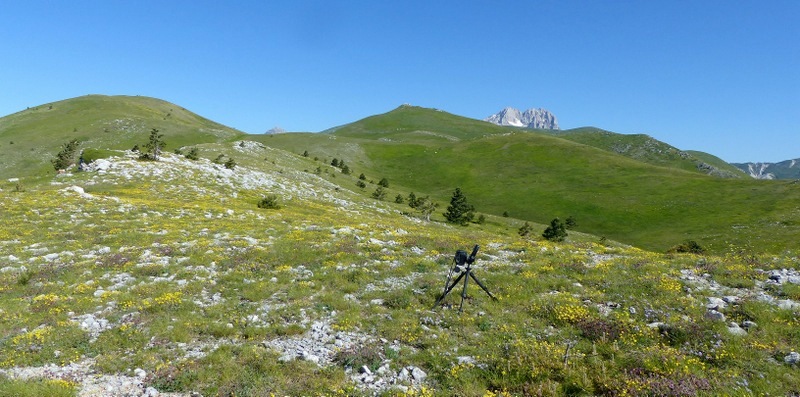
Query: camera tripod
[[459, 261]]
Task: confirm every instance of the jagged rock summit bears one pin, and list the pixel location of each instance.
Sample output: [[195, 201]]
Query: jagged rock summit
[[531, 118]]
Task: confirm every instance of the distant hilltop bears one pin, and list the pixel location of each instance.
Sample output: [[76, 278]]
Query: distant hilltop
[[531, 118]]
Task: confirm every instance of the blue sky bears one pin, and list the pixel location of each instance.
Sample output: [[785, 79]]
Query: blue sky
[[717, 76]]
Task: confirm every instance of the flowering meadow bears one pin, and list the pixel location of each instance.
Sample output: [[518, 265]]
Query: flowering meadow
[[168, 276]]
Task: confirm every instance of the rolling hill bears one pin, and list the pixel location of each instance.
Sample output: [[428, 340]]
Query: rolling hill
[[631, 189], [652, 151], [168, 278], [650, 201], [29, 138]]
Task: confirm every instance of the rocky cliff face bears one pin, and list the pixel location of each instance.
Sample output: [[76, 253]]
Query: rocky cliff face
[[789, 169], [531, 118]]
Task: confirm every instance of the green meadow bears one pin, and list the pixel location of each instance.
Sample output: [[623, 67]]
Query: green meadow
[[167, 275]]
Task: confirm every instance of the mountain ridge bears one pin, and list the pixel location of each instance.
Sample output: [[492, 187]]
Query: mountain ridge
[[788, 169]]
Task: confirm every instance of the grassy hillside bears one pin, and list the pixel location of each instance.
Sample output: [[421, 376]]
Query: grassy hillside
[[415, 124], [168, 275], [537, 176], [30, 138], [652, 151]]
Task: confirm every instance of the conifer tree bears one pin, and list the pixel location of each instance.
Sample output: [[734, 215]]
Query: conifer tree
[[153, 146], [379, 193], [557, 231], [66, 156], [459, 211], [412, 200]]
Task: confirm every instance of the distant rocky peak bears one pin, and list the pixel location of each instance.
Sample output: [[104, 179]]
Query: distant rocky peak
[[275, 130], [531, 118]]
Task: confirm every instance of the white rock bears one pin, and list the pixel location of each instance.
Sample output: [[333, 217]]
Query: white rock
[[418, 374], [715, 315]]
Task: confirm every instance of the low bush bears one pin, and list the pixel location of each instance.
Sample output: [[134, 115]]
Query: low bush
[[269, 202]]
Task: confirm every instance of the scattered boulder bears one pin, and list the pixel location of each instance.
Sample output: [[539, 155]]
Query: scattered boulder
[[715, 315]]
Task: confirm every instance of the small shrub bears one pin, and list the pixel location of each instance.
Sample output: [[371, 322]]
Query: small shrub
[[525, 229], [384, 182], [688, 247], [193, 154], [399, 199], [219, 159], [359, 356], [361, 184], [230, 164], [599, 329], [269, 202]]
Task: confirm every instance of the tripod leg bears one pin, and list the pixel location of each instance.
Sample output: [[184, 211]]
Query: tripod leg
[[464, 291], [447, 290], [482, 286]]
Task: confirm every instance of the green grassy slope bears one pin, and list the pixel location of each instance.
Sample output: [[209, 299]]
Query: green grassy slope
[[539, 176], [652, 151], [717, 162], [170, 268], [30, 138], [415, 124]]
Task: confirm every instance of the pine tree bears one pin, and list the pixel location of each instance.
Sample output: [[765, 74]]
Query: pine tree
[[459, 211], [412, 200], [379, 193], [66, 157], [384, 182], [426, 207], [556, 231], [571, 222], [153, 146]]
